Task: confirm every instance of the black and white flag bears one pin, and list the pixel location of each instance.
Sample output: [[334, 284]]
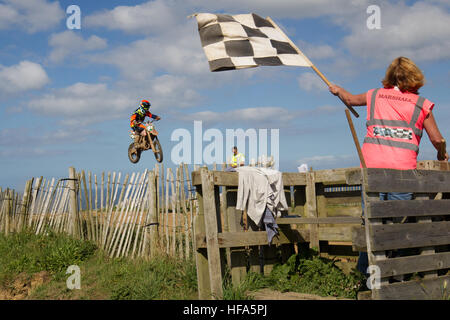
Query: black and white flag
[[245, 41]]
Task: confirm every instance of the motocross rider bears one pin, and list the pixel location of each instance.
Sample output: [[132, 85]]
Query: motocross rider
[[138, 117]]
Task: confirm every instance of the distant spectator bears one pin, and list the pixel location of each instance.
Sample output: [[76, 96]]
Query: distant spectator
[[237, 160]]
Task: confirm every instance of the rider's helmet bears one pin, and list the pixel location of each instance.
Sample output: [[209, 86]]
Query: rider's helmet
[[145, 105]]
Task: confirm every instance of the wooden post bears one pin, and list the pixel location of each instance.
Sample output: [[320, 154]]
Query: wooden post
[[37, 186], [163, 205], [223, 213], [191, 207], [201, 258], [25, 208], [174, 211], [153, 214], [166, 225], [73, 204], [238, 260], [91, 234], [185, 215], [9, 210], [178, 208], [211, 226], [101, 192], [107, 191], [355, 139], [311, 209]]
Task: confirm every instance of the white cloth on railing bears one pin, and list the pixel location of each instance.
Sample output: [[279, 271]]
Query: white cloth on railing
[[260, 188]]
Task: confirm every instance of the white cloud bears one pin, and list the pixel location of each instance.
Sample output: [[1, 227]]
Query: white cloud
[[330, 161], [38, 137], [70, 43], [419, 31], [283, 8], [140, 59], [310, 82], [33, 16], [259, 116], [23, 76], [173, 91], [149, 17], [83, 103], [317, 52]]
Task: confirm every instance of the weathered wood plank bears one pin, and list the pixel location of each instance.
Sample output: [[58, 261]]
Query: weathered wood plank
[[425, 289], [353, 177], [359, 239], [238, 257], [333, 176], [396, 208], [253, 238], [409, 235], [412, 264], [203, 283], [325, 220], [231, 179], [311, 209], [211, 227], [335, 233], [420, 181]]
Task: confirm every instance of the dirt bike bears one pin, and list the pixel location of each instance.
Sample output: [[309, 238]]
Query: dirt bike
[[149, 141]]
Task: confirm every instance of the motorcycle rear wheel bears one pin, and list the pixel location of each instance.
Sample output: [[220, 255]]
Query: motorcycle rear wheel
[[134, 154], [158, 150]]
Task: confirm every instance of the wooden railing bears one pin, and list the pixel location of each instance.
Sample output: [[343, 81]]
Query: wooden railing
[[323, 207], [408, 240]]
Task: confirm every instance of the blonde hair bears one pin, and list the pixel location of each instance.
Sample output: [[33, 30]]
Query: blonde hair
[[404, 74]]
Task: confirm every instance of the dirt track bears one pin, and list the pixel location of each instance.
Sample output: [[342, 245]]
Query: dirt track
[[267, 294]]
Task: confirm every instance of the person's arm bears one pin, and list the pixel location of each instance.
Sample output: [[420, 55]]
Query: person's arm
[[348, 98], [434, 134], [133, 119], [153, 116]]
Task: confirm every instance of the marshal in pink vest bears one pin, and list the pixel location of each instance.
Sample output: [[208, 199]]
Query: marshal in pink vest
[[394, 128]]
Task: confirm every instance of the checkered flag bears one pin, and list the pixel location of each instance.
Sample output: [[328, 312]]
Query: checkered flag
[[246, 41]]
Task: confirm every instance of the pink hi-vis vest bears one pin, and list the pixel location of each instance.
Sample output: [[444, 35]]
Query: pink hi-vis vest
[[394, 128]]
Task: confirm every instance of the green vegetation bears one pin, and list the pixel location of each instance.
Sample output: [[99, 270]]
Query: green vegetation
[[25, 254], [30, 253], [304, 273]]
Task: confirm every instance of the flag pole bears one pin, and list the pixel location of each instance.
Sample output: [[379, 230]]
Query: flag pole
[[309, 61], [355, 138]]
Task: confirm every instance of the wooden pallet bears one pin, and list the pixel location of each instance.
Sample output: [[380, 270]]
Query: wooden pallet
[[419, 227]]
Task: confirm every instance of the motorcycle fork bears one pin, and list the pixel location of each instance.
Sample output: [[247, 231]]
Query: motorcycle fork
[[149, 136]]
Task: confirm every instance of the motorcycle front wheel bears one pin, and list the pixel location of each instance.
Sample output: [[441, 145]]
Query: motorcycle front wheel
[[158, 150], [134, 154]]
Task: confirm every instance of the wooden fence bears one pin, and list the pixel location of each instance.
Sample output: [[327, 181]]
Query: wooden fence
[[409, 240], [132, 215], [325, 206]]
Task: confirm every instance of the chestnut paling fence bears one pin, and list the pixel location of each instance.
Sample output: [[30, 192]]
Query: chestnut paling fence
[[134, 214], [125, 214]]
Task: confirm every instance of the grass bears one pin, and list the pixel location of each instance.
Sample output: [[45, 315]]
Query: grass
[[30, 253], [304, 273], [101, 277], [162, 277]]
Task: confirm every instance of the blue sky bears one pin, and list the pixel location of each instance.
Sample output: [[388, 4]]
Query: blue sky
[[66, 95]]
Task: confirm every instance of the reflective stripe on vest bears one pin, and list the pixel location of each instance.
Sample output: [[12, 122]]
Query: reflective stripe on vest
[[395, 123]]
